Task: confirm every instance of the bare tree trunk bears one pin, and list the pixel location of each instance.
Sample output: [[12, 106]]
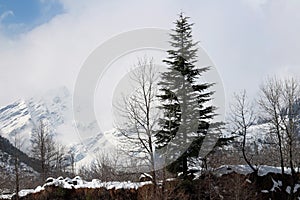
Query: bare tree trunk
[[242, 118], [270, 102], [43, 148], [17, 173], [72, 164], [17, 144], [279, 101], [140, 115]]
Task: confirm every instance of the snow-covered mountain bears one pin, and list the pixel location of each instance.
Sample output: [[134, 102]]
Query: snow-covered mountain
[[88, 149], [55, 107], [21, 117]]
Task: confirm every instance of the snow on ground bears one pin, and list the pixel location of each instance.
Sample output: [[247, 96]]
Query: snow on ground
[[262, 171], [276, 185], [245, 169], [297, 186], [77, 183], [24, 192], [6, 196], [288, 189]]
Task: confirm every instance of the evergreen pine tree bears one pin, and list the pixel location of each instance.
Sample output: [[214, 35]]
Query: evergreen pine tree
[[180, 89]]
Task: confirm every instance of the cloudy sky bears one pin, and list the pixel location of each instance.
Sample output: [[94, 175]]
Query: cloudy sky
[[44, 43]]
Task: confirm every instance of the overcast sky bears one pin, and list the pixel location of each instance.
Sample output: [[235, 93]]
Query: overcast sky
[[43, 43]]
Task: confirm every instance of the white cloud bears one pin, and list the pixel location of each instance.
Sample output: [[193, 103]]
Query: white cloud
[[52, 54], [246, 43]]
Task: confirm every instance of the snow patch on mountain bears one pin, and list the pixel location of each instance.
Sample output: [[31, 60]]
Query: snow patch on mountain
[[88, 150], [21, 117]]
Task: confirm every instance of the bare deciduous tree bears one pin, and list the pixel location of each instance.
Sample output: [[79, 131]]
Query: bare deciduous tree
[[17, 144], [290, 116], [242, 118], [72, 163], [106, 166], [280, 103], [140, 113], [43, 148], [271, 105], [59, 158]]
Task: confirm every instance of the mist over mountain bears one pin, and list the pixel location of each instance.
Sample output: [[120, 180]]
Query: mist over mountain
[[21, 117], [54, 107]]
